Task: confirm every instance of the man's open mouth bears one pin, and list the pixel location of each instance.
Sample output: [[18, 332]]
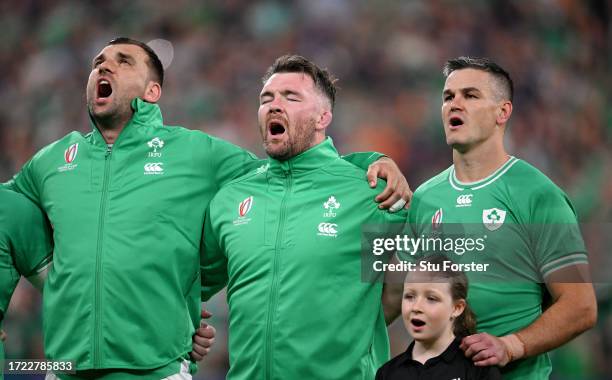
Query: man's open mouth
[[104, 89], [276, 128], [455, 121]]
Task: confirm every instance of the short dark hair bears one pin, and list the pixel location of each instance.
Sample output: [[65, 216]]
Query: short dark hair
[[292, 63], [485, 64], [154, 63]]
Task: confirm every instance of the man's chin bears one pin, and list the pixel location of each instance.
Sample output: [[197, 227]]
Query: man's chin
[[459, 146], [276, 150], [101, 111], [280, 155]]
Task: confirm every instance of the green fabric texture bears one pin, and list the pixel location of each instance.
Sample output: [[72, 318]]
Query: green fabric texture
[[124, 292], [25, 245], [285, 240], [529, 229]]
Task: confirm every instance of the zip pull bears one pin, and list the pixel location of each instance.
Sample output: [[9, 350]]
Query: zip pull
[[109, 148]]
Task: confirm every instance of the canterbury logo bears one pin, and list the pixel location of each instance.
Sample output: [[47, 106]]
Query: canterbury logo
[[328, 229], [464, 200], [154, 168]]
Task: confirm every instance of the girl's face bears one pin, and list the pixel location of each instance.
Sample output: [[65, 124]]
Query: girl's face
[[428, 309]]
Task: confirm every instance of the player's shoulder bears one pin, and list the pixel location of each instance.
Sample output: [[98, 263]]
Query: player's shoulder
[[343, 171], [529, 180], [62, 145], [437, 182], [195, 136], [15, 205], [207, 144], [251, 181]]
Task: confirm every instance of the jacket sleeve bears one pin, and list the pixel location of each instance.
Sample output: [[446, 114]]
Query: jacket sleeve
[[30, 237], [213, 262], [25, 182], [363, 159], [230, 161]]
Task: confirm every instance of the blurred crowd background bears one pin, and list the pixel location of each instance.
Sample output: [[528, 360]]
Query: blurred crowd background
[[388, 57]]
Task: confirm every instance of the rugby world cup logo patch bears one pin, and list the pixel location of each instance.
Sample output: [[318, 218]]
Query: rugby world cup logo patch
[[243, 209], [436, 219], [71, 153], [245, 206], [69, 157]]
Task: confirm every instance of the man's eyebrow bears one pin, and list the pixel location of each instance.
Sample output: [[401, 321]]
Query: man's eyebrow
[[128, 57], [470, 89], [290, 92], [99, 57], [463, 90]]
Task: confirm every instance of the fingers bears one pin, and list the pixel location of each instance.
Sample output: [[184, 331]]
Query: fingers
[[397, 194], [205, 313], [469, 341], [484, 349], [388, 196], [408, 198], [2, 335], [196, 355], [477, 350], [206, 331], [372, 175], [397, 205], [203, 340], [200, 341], [487, 362]]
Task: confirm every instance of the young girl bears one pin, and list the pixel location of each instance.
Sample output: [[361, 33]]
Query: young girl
[[437, 316]]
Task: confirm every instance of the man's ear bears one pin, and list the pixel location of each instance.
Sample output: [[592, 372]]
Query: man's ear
[[503, 112], [324, 120], [152, 92]]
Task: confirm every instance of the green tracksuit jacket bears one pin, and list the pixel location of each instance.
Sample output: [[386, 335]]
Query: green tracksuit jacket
[[124, 291], [286, 240], [25, 246]]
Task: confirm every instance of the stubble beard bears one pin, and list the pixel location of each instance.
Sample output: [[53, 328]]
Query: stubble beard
[[117, 112], [296, 143]]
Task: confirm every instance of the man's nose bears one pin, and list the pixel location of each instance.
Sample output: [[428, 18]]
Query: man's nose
[[275, 106], [456, 103], [105, 67]]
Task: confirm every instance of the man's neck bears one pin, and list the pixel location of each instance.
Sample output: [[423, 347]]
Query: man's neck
[[111, 128], [425, 350], [480, 162]]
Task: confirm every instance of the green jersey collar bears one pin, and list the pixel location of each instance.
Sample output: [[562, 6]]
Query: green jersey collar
[[145, 113], [458, 185], [311, 159]]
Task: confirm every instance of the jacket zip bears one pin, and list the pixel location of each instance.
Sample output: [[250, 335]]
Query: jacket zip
[[274, 288], [98, 274]]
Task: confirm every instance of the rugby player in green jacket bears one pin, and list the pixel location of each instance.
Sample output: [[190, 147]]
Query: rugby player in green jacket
[[127, 203], [286, 241]]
